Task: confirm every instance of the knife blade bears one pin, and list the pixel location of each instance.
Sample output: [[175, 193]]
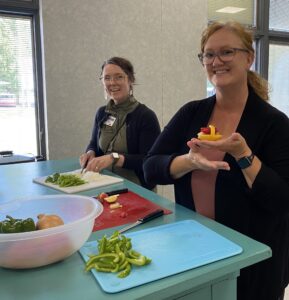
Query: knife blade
[[146, 218], [84, 166]]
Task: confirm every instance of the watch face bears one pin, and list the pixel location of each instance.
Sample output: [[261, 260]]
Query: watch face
[[246, 161], [115, 155]]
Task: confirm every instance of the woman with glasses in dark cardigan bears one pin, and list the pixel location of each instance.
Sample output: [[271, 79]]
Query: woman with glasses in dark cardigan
[[242, 179], [124, 130]]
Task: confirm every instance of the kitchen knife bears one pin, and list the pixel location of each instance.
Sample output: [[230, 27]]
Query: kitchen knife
[[150, 216], [84, 166], [115, 192]]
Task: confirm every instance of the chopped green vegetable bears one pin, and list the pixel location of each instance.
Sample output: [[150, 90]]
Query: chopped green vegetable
[[115, 254], [125, 272], [65, 180], [53, 178]]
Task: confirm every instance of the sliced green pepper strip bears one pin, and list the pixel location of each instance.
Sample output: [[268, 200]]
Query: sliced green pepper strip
[[113, 239], [117, 249], [133, 254], [107, 260], [100, 265], [95, 258], [88, 268], [148, 260], [116, 268], [53, 178], [100, 269], [115, 234], [122, 257], [128, 245], [105, 264], [102, 245], [125, 272], [140, 261], [123, 265]]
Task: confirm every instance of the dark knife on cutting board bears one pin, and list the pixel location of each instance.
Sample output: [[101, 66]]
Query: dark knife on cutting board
[[146, 218], [116, 192]]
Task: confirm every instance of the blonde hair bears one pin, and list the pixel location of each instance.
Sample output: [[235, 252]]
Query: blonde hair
[[258, 83]]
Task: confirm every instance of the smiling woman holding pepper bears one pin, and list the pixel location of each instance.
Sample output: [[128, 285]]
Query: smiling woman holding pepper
[[241, 180]]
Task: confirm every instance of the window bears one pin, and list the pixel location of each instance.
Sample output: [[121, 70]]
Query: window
[[278, 19], [21, 101], [279, 54], [278, 79], [270, 20]]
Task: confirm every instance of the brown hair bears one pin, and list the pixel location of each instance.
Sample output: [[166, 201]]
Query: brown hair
[[124, 64], [258, 83]]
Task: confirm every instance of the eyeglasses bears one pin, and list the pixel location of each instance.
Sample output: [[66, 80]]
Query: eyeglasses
[[225, 55], [116, 78]]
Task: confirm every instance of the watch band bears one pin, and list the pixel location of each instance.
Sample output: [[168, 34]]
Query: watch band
[[245, 161]]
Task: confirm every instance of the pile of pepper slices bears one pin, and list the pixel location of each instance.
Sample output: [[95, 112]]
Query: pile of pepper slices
[[115, 254]]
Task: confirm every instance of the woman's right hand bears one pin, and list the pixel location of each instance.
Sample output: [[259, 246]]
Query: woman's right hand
[[194, 160], [86, 157]]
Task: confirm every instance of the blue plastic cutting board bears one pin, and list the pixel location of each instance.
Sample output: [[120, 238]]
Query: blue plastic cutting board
[[173, 248]]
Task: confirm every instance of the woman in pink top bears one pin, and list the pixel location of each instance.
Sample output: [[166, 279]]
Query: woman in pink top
[[241, 180]]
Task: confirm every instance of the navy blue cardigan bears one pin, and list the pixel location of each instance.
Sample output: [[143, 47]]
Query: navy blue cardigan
[[261, 212], [142, 129]]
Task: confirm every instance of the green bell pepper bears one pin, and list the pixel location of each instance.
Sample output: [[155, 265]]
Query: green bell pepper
[[28, 225], [11, 225]]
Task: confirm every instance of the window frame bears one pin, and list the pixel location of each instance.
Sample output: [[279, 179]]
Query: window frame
[[31, 9], [264, 36]]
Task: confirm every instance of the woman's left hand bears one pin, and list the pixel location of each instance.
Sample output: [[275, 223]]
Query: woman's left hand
[[97, 164]]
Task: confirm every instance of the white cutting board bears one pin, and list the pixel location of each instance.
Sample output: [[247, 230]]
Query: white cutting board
[[102, 180]]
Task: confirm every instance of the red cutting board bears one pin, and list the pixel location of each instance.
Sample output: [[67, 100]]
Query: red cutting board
[[134, 207]]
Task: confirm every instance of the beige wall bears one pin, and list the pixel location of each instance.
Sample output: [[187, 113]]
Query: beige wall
[[160, 37]]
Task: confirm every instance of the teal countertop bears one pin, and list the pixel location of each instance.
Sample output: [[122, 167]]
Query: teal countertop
[[67, 280]]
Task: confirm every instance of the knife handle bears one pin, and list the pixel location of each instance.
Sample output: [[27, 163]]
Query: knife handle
[[150, 216], [122, 191]]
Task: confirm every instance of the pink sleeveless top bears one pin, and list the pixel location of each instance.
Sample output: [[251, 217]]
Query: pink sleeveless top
[[203, 185]]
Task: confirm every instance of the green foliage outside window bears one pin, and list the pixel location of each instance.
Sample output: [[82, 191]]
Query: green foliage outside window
[[8, 61]]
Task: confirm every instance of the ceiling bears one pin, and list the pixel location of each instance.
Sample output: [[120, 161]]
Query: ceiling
[[245, 16]]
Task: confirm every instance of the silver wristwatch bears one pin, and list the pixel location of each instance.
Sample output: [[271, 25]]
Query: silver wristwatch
[[115, 157]]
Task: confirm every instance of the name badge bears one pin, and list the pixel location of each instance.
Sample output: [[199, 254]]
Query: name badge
[[110, 121]]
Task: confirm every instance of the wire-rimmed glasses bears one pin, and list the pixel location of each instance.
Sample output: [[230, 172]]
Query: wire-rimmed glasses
[[225, 55], [119, 78]]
